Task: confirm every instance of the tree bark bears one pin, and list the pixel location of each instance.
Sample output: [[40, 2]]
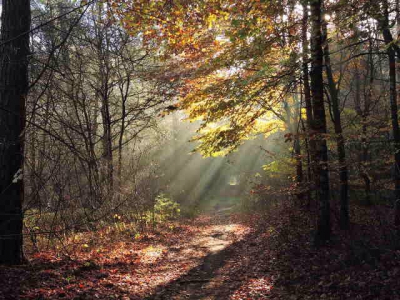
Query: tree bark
[[340, 141], [299, 166], [310, 142], [323, 230], [14, 52], [105, 91], [393, 106], [292, 122], [305, 76]]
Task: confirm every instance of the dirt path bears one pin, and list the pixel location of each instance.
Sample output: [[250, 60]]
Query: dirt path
[[206, 281], [207, 258], [214, 257]]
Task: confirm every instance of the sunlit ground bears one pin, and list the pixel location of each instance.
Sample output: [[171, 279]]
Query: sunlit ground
[[134, 266]]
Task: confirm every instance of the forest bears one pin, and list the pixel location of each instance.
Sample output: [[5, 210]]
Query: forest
[[199, 149]]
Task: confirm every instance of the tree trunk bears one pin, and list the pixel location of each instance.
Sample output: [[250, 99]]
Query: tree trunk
[[397, 159], [105, 91], [124, 91], [310, 142], [364, 148], [396, 131], [14, 51], [292, 123], [107, 139], [364, 113], [340, 141], [299, 166], [319, 125], [393, 107]]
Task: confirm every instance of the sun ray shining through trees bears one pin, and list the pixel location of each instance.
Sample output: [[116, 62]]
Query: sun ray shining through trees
[[205, 149]]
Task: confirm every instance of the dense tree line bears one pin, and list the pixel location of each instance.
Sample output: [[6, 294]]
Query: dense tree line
[[329, 66], [80, 132]]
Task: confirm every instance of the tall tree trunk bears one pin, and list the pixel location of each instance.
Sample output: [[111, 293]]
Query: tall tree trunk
[[14, 51], [292, 122], [124, 92], [364, 113], [307, 95], [299, 166], [396, 131], [105, 91], [297, 147], [364, 147], [393, 106], [340, 141], [305, 76], [319, 124], [308, 159], [397, 159], [107, 138]]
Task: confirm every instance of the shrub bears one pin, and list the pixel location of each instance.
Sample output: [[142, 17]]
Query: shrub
[[166, 208]]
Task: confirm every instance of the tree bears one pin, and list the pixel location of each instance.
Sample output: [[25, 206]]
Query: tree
[[384, 24], [319, 123], [14, 53], [340, 141], [310, 142], [247, 61]]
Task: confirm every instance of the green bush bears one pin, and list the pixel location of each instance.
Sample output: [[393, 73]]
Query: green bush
[[166, 208]]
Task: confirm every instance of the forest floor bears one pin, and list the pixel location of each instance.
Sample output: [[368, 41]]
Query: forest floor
[[216, 256]]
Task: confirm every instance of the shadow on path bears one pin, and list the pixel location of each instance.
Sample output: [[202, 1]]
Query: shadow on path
[[204, 281]]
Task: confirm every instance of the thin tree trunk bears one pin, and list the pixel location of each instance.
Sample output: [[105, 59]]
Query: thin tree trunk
[[340, 141], [14, 51], [107, 139], [306, 82], [293, 120], [309, 172], [307, 96], [103, 49], [299, 166], [294, 131], [124, 91], [319, 125], [364, 147]]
